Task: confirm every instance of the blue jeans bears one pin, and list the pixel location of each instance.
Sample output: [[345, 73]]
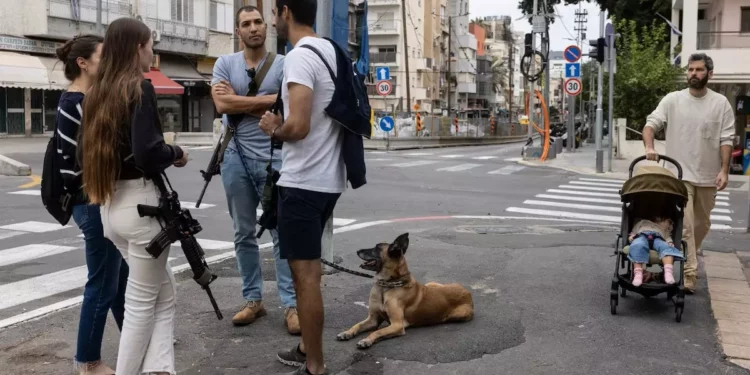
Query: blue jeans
[[639, 248], [243, 184], [105, 288]]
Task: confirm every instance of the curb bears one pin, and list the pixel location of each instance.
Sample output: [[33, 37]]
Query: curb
[[729, 293], [11, 167], [615, 175], [380, 144]]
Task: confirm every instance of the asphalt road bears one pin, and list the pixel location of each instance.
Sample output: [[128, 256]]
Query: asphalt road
[[540, 283]]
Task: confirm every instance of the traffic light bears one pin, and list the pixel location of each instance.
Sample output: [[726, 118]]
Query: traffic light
[[598, 52], [527, 44]]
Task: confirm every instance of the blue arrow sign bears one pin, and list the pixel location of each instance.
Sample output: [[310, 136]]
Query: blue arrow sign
[[572, 53], [384, 73], [386, 123], [572, 70]]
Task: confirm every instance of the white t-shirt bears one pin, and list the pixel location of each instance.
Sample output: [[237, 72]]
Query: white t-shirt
[[314, 162], [696, 130]]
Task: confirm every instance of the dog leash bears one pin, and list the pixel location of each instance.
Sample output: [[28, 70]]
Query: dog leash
[[345, 269]]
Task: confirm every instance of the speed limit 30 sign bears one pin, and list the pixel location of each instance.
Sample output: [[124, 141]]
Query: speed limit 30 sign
[[573, 86], [384, 88]]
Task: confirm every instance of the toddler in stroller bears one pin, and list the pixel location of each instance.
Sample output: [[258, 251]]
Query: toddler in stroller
[[654, 233]]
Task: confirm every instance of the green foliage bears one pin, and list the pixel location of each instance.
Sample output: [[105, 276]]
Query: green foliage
[[644, 74]]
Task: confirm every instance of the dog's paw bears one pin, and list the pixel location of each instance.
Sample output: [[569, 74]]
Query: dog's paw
[[344, 336], [364, 344]]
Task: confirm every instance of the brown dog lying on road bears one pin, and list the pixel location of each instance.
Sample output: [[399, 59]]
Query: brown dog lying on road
[[401, 300]]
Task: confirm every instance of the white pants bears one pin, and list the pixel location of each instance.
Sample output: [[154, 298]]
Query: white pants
[[146, 341]]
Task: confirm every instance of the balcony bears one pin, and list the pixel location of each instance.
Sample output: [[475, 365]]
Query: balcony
[[86, 10], [385, 58], [723, 40], [374, 3], [730, 51], [178, 29], [467, 88], [418, 93], [385, 28]]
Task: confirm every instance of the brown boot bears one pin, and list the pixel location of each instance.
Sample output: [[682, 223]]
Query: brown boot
[[251, 311], [690, 282], [292, 320]]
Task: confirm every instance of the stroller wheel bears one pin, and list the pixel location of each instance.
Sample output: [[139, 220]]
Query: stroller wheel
[[613, 306]]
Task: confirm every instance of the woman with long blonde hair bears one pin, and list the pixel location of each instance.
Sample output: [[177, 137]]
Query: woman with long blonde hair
[[121, 148]]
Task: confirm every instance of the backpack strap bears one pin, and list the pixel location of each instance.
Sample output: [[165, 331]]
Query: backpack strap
[[261, 74], [311, 48]]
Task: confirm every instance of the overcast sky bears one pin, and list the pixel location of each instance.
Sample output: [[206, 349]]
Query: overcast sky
[[561, 29]]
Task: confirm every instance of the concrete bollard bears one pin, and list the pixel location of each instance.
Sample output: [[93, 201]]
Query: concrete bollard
[[327, 245]]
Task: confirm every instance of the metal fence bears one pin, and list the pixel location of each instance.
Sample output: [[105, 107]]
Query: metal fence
[[443, 126]]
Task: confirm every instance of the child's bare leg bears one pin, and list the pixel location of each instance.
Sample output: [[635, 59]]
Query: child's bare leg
[[638, 274], [668, 262]]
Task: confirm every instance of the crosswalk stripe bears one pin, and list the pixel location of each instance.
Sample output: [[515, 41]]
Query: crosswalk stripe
[[722, 211], [451, 156], [722, 198], [508, 169], [9, 233], [414, 163], [579, 199], [587, 193], [588, 188], [43, 286], [723, 204], [211, 244], [565, 214], [379, 159], [488, 157], [34, 227], [191, 205], [35, 192], [337, 221], [418, 153], [458, 168], [28, 252], [572, 205], [588, 183], [722, 192], [720, 218], [603, 180]]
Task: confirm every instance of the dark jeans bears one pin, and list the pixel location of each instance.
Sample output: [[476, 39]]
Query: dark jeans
[[105, 288]]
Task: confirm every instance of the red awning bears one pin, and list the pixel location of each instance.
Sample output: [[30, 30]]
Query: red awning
[[162, 84]]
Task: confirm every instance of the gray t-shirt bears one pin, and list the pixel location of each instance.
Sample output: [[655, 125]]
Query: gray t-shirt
[[232, 68], [315, 162]]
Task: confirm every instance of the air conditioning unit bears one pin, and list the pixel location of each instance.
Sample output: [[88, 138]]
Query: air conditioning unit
[[156, 35]]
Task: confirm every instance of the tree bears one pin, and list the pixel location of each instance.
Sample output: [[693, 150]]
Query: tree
[[645, 73], [499, 73]]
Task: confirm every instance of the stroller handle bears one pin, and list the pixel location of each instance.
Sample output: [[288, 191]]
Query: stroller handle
[[664, 157]]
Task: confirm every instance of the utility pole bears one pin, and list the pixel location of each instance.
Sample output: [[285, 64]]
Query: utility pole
[[545, 47], [580, 28], [450, 32], [532, 65], [99, 30], [599, 110], [611, 64], [510, 74], [406, 57]]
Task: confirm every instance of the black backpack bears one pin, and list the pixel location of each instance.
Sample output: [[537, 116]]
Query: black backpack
[[350, 108], [55, 198]]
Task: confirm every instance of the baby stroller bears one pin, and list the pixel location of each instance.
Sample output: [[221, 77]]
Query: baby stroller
[[653, 190]]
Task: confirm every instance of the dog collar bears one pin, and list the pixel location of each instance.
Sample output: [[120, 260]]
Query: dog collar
[[397, 283]]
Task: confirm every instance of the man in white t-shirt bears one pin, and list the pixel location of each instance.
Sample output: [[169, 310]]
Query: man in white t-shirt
[[313, 174], [700, 127]]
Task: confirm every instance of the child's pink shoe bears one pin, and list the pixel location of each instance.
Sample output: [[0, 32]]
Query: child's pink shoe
[[638, 277], [668, 274]]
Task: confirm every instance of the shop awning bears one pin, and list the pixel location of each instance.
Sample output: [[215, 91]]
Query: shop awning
[[23, 71], [56, 73], [179, 69], [162, 84]]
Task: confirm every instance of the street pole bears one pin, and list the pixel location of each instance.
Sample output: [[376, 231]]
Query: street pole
[[450, 32], [532, 65], [406, 57], [599, 110], [571, 123], [99, 18], [611, 65]]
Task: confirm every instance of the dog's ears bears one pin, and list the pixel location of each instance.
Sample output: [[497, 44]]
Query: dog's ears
[[399, 246]]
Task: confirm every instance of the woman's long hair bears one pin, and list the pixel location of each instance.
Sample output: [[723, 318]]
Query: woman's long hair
[[107, 107]]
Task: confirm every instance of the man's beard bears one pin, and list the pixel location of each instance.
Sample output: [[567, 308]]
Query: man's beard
[[282, 30], [698, 84], [252, 43]]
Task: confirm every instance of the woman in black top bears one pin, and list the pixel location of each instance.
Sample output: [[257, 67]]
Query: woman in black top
[[122, 147], [107, 273]]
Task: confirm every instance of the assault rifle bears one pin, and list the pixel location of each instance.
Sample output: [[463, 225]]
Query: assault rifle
[[178, 225], [214, 165]]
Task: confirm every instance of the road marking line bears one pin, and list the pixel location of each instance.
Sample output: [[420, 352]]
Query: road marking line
[[723, 204], [588, 188], [9, 233], [722, 193], [191, 205], [579, 199], [721, 218], [35, 227], [337, 221], [572, 205], [588, 183], [458, 168], [418, 154], [603, 180], [211, 244], [202, 148], [508, 169], [488, 157], [587, 193], [379, 159], [722, 211], [565, 214], [722, 198], [27, 192], [43, 286], [35, 180], [414, 163], [28, 252], [451, 156], [376, 152]]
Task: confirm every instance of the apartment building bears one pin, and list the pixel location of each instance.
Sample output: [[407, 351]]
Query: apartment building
[[556, 80], [433, 78], [720, 29], [188, 37], [463, 54]]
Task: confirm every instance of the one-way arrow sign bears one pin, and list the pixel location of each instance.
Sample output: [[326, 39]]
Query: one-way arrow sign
[[573, 70], [383, 73]]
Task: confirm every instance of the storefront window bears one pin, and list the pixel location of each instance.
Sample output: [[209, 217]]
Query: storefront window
[[16, 118], [51, 99], [3, 111], [170, 112], [37, 116]]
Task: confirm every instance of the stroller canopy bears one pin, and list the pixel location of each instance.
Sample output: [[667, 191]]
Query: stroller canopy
[[653, 179]]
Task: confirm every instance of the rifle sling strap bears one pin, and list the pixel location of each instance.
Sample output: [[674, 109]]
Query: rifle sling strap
[[259, 77]]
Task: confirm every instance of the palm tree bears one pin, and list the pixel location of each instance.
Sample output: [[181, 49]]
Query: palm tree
[[499, 73]]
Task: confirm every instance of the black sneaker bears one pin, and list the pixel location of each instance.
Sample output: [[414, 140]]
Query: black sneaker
[[302, 370], [293, 357]]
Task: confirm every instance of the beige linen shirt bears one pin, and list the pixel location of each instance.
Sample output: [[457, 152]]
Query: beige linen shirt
[[696, 130]]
